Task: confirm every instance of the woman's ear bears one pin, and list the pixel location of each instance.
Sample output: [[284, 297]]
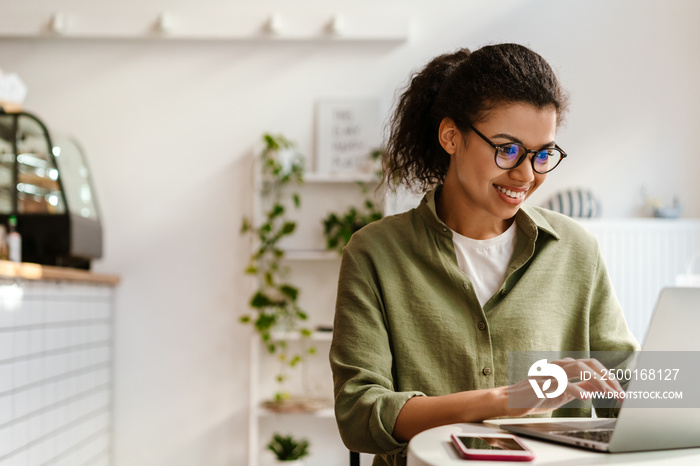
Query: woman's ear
[[449, 135]]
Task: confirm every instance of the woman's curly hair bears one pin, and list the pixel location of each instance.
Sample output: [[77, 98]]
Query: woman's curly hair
[[462, 86]]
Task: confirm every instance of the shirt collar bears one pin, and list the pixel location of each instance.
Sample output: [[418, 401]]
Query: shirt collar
[[528, 213], [528, 218]]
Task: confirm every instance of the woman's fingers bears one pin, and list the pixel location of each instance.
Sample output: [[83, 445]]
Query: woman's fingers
[[585, 376], [590, 370]]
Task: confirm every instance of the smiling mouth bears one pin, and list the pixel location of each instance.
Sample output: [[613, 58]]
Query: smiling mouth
[[511, 194]]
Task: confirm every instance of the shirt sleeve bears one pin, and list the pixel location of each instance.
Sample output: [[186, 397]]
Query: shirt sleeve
[[608, 329], [366, 403]]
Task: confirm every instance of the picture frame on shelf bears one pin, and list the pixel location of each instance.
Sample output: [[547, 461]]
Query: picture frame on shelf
[[346, 131]]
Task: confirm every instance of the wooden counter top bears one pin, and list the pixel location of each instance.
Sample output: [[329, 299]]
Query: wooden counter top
[[29, 271]]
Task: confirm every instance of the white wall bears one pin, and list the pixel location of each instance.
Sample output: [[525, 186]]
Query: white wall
[[169, 128]]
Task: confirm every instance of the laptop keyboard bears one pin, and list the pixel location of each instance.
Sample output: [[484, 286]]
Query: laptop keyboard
[[598, 435]]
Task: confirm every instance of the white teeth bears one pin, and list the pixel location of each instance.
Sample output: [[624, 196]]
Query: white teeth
[[511, 194]]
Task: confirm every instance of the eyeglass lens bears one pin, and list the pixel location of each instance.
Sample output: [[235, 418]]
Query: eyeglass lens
[[510, 155]]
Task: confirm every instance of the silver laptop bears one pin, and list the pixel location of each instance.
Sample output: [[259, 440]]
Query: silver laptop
[[675, 326]]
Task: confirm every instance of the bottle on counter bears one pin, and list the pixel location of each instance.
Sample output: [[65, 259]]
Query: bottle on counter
[[3, 243], [14, 241]]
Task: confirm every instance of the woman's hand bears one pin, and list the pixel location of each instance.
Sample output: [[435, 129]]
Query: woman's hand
[[523, 399], [424, 412]]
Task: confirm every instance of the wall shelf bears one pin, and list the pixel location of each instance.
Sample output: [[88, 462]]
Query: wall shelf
[[317, 423], [262, 29], [292, 336], [340, 178], [311, 255], [314, 270], [321, 413]]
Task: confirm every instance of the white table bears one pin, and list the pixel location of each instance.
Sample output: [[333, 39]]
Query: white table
[[433, 448]]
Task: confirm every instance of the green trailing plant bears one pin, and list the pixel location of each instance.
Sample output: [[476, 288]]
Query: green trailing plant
[[339, 227], [275, 301], [286, 448]]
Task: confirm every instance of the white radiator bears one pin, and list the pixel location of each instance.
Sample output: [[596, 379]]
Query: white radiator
[[643, 256]]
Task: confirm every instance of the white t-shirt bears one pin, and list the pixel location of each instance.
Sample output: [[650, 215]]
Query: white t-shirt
[[485, 261]]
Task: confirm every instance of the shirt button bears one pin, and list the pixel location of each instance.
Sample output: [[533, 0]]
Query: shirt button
[[486, 371], [503, 292], [481, 325]]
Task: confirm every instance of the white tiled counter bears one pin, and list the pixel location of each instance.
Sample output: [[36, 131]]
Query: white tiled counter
[[55, 366]]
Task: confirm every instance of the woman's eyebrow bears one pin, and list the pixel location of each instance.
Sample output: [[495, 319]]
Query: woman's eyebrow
[[514, 139], [507, 136]]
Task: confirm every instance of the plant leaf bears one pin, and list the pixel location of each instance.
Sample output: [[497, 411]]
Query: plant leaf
[[290, 291], [288, 228], [260, 300], [277, 210]]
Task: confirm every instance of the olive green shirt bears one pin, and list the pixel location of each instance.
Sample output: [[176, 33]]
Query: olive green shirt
[[408, 323]]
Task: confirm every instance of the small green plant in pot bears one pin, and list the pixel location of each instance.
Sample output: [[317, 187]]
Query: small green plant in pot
[[288, 449], [274, 302], [339, 227]]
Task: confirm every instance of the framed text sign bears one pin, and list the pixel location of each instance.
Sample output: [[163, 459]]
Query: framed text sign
[[346, 133]]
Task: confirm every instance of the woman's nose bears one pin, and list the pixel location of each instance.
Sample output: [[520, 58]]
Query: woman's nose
[[523, 172]]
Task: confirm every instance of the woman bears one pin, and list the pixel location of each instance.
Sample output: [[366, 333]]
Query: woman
[[431, 301]]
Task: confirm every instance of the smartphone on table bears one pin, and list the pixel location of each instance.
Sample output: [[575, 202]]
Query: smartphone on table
[[496, 447]]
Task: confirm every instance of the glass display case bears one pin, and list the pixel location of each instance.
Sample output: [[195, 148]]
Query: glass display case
[[46, 184]]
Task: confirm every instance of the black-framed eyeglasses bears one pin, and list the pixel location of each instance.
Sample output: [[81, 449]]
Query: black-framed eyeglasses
[[512, 154]]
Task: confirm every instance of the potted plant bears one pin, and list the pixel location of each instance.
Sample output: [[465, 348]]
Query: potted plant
[[338, 228], [287, 450], [274, 302]]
